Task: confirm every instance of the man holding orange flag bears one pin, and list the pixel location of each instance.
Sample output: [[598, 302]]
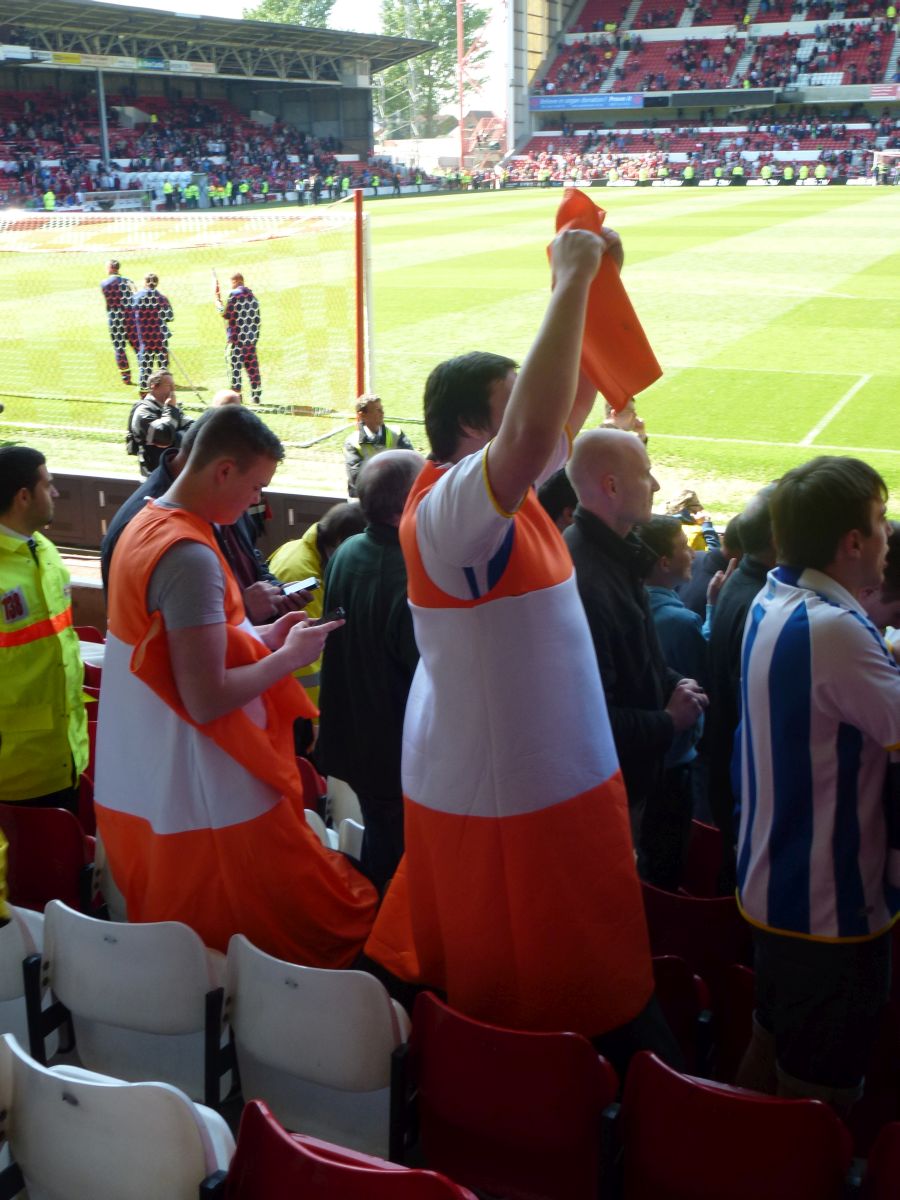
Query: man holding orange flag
[[518, 894]]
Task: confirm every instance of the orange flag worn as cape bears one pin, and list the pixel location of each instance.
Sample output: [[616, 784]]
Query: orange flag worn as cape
[[615, 353]]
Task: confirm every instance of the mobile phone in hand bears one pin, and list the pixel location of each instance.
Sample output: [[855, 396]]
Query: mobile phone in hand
[[301, 585], [336, 614]]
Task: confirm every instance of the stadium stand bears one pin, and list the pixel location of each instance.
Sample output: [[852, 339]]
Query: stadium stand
[[675, 66], [48, 140]]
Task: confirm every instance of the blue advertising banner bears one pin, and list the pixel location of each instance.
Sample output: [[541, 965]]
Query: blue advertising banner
[[582, 100]]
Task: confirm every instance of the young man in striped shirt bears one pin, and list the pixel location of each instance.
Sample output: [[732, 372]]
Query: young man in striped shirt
[[818, 841]]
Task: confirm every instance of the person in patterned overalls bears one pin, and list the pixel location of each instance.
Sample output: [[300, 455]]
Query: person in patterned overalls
[[241, 314], [118, 292], [153, 312]]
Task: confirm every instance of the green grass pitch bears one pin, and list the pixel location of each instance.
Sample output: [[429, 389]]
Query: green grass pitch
[[775, 314]]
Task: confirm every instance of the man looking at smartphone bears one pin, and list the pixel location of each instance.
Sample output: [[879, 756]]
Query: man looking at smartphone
[[202, 818]]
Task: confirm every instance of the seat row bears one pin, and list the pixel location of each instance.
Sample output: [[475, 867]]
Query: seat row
[[73, 1133]]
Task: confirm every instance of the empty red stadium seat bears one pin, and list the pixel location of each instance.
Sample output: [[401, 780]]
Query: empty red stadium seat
[[510, 1113], [691, 1139]]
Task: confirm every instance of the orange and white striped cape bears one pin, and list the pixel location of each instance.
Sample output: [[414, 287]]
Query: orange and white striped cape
[[204, 824], [518, 893]]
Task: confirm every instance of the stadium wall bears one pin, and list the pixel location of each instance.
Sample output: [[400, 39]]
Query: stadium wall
[[88, 502]]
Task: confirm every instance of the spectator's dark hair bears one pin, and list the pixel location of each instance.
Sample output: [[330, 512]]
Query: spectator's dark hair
[[556, 494], [732, 541], [815, 505], [340, 522], [19, 468], [113, 264], [383, 484], [233, 432], [659, 534], [151, 280], [755, 522], [457, 393], [890, 588]]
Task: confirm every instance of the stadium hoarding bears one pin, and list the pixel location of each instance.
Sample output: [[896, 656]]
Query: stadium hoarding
[[590, 100], [118, 62]]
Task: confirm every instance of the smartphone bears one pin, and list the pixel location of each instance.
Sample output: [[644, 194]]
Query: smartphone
[[336, 614], [301, 585]]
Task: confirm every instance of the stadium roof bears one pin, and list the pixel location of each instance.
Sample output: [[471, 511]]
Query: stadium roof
[[248, 49]]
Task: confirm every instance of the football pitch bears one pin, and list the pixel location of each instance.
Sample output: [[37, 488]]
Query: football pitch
[[775, 314]]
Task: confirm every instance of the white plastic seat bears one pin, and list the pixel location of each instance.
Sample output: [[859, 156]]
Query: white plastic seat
[[342, 803], [315, 1045], [76, 1135], [106, 885], [350, 838], [328, 837], [22, 936], [140, 997]]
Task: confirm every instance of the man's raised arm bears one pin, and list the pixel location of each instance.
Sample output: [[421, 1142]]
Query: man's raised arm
[[544, 392]]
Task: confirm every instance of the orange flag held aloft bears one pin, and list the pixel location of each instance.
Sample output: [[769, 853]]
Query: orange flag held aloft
[[615, 354]]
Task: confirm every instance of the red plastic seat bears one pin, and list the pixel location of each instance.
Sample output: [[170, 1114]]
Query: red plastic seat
[[734, 1020], [49, 857], [703, 861], [690, 1139], [883, 1168], [514, 1114], [315, 788], [272, 1164], [684, 999], [709, 935], [93, 676], [89, 633]]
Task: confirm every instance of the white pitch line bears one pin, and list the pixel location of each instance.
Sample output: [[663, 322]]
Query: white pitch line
[[833, 412], [756, 370], [695, 437]]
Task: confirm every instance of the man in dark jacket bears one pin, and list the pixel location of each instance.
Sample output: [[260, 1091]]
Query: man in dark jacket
[[367, 671], [262, 592], [648, 703], [755, 529]]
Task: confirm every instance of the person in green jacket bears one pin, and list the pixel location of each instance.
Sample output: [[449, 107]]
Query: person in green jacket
[[49, 199], [43, 725]]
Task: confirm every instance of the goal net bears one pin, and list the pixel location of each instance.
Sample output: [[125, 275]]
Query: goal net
[[301, 265]]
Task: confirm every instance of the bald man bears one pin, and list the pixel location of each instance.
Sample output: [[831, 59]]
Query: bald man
[[225, 396], [649, 704]]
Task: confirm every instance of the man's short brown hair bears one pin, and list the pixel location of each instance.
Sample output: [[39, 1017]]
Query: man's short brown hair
[[813, 506], [363, 402], [233, 432]]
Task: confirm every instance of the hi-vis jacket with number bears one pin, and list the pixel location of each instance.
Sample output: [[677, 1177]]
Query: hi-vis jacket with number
[[43, 727]]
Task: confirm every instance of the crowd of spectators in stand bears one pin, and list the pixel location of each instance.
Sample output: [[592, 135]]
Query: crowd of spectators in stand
[[859, 51], [200, 138], [649, 17], [776, 62], [708, 145]]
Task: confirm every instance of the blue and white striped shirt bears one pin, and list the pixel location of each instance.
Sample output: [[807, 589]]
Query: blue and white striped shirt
[[821, 705]]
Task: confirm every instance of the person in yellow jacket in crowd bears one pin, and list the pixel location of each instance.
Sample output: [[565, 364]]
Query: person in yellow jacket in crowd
[[43, 726], [306, 558]]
